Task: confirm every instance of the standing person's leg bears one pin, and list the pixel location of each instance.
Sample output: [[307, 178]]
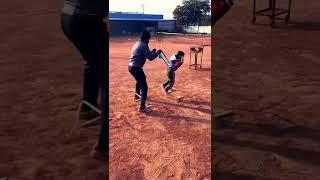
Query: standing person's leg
[[81, 31], [134, 72], [92, 51], [140, 77], [102, 51], [138, 91], [144, 90], [90, 38], [91, 84]]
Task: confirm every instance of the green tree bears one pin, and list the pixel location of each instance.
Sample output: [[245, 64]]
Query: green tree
[[191, 12]]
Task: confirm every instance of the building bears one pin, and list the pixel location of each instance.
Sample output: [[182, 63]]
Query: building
[[134, 23], [167, 25]]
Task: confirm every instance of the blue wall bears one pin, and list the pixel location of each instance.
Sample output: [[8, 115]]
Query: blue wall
[[133, 16]]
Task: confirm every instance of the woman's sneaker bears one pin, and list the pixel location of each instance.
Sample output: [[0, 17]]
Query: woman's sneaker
[[145, 110]]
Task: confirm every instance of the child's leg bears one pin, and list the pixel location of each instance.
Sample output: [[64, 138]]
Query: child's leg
[[171, 80], [164, 85]]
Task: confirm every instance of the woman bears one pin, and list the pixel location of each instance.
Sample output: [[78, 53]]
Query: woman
[[139, 54]]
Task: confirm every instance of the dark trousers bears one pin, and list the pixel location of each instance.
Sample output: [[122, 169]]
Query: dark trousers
[[89, 35], [141, 85], [171, 78]]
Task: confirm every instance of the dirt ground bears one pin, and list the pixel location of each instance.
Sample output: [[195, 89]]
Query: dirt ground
[[40, 88], [270, 78], [173, 141]]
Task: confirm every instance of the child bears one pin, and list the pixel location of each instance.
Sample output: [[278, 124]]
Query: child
[[176, 62]]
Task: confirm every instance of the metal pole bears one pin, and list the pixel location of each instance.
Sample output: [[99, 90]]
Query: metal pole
[[142, 8]]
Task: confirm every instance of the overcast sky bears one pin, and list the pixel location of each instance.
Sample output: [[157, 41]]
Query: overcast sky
[[164, 7]]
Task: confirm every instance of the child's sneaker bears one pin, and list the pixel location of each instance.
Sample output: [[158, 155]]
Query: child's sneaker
[[171, 90], [145, 110], [164, 90]]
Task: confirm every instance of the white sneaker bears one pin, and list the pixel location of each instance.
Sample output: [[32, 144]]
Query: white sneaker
[[164, 90], [171, 90]]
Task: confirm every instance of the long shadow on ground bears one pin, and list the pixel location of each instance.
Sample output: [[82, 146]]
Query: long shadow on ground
[[207, 111], [302, 155], [177, 118], [272, 130]]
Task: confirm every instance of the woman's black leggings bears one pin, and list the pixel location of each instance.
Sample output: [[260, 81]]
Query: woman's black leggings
[[141, 85], [89, 35]]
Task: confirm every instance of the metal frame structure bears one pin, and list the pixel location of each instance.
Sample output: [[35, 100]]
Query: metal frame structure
[[89, 122], [196, 51], [272, 12]]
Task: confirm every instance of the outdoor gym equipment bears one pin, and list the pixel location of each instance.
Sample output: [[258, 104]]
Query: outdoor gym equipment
[[196, 51], [272, 12], [89, 122]]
